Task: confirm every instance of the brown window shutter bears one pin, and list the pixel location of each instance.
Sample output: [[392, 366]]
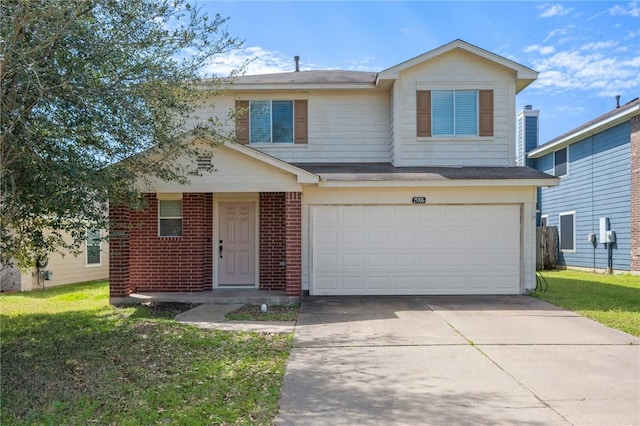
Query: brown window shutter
[[301, 121], [242, 122], [423, 108], [486, 112]]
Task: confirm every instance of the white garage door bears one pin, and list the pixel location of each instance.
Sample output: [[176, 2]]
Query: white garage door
[[432, 249]]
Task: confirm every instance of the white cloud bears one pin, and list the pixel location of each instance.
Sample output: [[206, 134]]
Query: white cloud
[[600, 45], [257, 60], [543, 50], [632, 9], [590, 69], [555, 10]]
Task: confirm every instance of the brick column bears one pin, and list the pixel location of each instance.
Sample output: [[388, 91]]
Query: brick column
[[293, 244], [119, 253], [272, 241], [635, 193]]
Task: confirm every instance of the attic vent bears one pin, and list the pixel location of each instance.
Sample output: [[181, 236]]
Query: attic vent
[[204, 163]]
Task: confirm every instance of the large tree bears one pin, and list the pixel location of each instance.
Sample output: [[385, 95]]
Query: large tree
[[86, 87]]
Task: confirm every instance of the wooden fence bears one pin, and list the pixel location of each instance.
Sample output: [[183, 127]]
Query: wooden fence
[[546, 247]]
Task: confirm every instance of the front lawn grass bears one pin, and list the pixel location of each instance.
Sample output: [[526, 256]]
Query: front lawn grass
[[68, 357], [274, 313], [613, 300]]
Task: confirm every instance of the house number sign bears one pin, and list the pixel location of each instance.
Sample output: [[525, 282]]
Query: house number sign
[[419, 200]]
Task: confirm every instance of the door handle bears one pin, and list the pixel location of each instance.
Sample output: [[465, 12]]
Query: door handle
[[220, 248]]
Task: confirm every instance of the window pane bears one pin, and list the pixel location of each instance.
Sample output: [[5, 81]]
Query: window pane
[[93, 236], [93, 255], [442, 112], [170, 227], [170, 208], [566, 232], [466, 112], [260, 117], [560, 162], [282, 121]]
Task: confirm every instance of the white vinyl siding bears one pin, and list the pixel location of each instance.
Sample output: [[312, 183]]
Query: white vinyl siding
[[455, 71], [343, 126]]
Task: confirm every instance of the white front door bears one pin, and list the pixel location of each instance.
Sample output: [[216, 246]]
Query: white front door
[[237, 245]]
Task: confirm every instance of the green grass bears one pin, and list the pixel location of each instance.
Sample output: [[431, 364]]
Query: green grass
[[613, 300], [274, 313], [68, 357]]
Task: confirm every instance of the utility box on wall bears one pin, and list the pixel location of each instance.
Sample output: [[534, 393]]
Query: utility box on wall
[[604, 227]]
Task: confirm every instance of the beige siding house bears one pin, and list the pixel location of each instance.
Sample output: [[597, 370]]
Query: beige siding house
[[351, 183], [92, 263]]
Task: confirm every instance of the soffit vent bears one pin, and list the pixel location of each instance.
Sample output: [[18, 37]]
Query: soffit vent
[[204, 163]]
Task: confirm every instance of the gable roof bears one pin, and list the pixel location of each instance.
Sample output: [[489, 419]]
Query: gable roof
[[329, 79], [524, 75], [597, 125]]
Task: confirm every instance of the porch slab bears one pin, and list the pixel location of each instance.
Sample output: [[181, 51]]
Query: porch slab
[[220, 296]]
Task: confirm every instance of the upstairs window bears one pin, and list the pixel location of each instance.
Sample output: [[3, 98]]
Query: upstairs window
[[271, 121], [560, 162], [170, 218], [454, 112], [94, 252]]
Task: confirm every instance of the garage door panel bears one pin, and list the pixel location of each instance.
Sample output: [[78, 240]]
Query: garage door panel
[[447, 249]]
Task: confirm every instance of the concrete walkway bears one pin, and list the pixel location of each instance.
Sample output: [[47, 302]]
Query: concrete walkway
[[457, 360]]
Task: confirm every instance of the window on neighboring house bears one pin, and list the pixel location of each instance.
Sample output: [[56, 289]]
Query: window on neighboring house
[[560, 162], [567, 231], [454, 112], [271, 121], [94, 252], [170, 218], [544, 220]]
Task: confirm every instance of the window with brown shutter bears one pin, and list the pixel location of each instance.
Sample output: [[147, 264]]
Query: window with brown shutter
[[242, 122], [486, 112], [423, 108], [301, 122]]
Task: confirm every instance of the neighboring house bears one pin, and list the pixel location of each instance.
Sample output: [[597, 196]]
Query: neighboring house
[[349, 183], [598, 165], [92, 263]]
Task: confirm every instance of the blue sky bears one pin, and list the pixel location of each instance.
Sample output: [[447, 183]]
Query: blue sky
[[585, 51]]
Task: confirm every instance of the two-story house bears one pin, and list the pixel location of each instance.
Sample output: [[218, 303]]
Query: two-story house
[[596, 207], [350, 183]]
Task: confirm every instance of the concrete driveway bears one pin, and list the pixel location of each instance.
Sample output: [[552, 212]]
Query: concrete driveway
[[457, 360]]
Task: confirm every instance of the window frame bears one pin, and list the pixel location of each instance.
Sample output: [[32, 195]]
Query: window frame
[[271, 141], [545, 218], [455, 117], [566, 162], [161, 218], [573, 242], [87, 245]]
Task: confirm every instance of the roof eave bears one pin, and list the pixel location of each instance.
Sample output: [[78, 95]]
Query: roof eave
[[253, 87], [597, 127], [326, 182]]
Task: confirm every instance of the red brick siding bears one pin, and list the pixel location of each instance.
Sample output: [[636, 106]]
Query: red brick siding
[[635, 193], [119, 249], [175, 264], [272, 240], [293, 249]]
